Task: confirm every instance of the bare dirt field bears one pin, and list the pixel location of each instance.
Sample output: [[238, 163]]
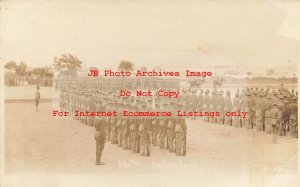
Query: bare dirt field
[[37, 143]]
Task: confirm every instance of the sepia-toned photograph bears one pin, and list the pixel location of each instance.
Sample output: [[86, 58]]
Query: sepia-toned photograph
[[149, 93]]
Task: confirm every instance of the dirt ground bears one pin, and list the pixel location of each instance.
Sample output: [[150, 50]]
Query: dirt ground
[[37, 143]]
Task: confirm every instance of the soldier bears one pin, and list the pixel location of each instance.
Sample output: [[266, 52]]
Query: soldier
[[134, 138], [220, 107], [125, 127], [236, 107], [61, 99], [86, 102], [227, 108], [205, 104], [286, 114], [212, 106], [199, 101], [90, 108], [185, 99], [259, 112], [37, 98], [113, 123], [119, 123], [155, 122], [268, 107], [99, 134], [144, 132], [275, 116], [162, 130], [108, 108], [180, 134], [193, 102], [293, 110], [252, 105], [171, 128], [282, 110], [244, 108]]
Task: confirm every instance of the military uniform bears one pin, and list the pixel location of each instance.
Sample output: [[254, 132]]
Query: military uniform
[[268, 107], [154, 128], [134, 136], [162, 129], [206, 104], [293, 120], [180, 134], [236, 107], [99, 134], [227, 108], [125, 128], [275, 116], [144, 133], [259, 112], [171, 128]]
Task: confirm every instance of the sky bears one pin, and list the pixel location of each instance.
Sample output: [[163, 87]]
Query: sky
[[174, 34]]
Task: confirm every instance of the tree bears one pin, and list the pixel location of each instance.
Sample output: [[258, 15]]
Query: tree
[[21, 71], [10, 65], [68, 61], [125, 65]]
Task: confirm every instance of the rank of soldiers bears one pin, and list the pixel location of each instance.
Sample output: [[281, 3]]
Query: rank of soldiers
[[270, 110]]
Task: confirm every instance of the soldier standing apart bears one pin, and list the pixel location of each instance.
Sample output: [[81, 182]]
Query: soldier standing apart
[[99, 134], [37, 98]]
